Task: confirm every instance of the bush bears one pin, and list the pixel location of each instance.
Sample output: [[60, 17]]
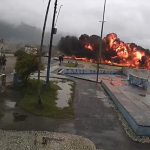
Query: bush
[[26, 65], [19, 53]]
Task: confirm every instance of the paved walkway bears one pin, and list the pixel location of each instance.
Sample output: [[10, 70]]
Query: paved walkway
[[95, 119], [89, 65], [134, 100], [92, 77], [33, 141]]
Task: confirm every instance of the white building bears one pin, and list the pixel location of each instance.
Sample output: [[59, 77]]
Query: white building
[[30, 49]]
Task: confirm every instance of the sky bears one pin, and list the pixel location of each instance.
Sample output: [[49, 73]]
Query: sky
[[129, 19]]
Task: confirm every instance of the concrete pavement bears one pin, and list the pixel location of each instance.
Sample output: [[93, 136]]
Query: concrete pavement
[[92, 77], [133, 102], [33, 141], [95, 118]]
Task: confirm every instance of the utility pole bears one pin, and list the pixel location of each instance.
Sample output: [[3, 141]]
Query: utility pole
[[39, 53], [53, 31], [101, 41]]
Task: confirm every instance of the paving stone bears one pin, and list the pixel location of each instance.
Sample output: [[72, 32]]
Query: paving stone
[[33, 141]]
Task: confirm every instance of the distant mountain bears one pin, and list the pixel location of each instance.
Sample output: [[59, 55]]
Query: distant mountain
[[25, 33]]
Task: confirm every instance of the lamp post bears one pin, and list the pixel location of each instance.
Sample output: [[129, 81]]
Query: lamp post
[[53, 31], [39, 53], [101, 41], [58, 14]]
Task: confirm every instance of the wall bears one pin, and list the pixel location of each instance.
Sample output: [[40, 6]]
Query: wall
[[2, 82], [138, 81], [88, 71]]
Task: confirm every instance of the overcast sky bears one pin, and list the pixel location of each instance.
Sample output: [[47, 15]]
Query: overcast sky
[[129, 19]]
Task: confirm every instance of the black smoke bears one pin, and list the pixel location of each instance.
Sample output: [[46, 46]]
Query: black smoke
[[71, 45]]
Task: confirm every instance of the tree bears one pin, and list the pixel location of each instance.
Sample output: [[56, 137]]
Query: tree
[[19, 53], [25, 66]]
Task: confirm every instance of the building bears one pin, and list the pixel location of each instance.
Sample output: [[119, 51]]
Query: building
[[30, 50]]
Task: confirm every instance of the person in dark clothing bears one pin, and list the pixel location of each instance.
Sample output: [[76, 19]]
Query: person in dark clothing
[[1, 62], [60, 59], [4, 61]]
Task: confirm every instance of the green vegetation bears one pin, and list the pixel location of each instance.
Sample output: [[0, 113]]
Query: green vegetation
[[19, 53], [49, 97], [71, 64], [26, 65]]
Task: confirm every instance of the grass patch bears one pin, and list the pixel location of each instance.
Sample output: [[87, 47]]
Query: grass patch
[[71, 64], [49, 97]]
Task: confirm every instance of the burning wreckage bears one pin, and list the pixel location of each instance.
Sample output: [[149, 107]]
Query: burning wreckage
[[114, 51]]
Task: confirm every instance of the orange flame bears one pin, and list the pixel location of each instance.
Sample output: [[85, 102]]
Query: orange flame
[[80, 58], [89, 47], [126, 55]]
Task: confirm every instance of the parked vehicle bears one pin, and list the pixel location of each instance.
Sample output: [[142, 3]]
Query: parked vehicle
[[46, 55], [56, 58]]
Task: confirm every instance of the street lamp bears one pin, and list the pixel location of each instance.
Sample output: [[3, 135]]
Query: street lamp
[[53, 31], [58, 14], [101, 40], [40, 50]]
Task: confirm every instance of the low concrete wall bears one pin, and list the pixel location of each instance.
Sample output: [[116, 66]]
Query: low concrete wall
[[2, 82], [87, 71], [138, 81]]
